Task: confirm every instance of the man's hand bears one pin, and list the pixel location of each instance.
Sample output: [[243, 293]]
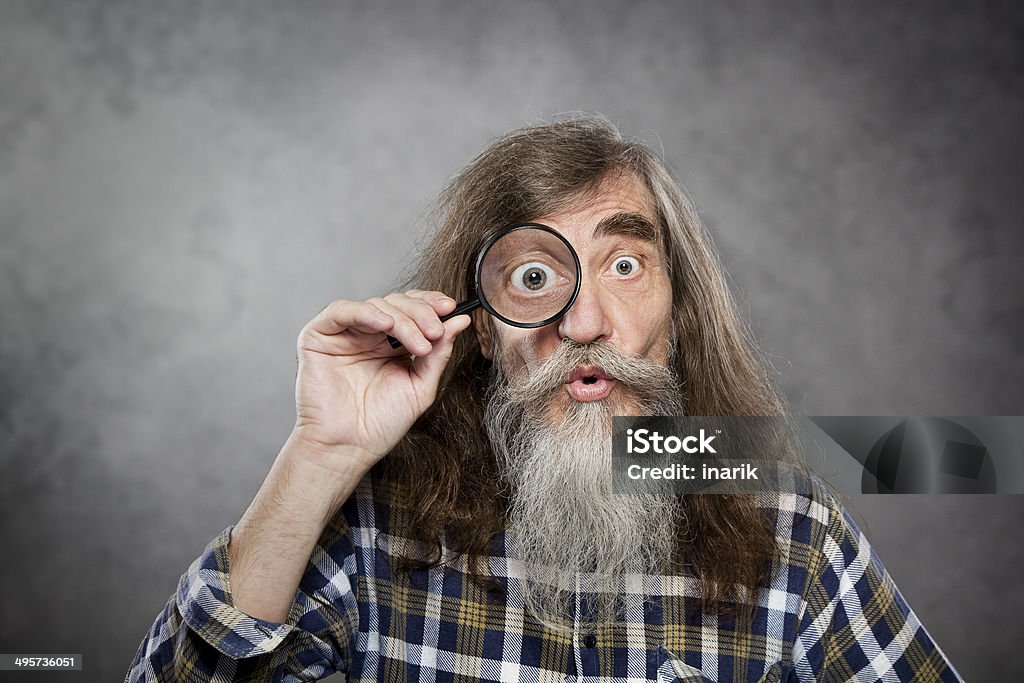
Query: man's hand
[[356, 397], [356, 394]]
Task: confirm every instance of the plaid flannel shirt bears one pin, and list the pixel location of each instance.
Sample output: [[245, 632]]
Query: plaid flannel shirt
[[830, 613]]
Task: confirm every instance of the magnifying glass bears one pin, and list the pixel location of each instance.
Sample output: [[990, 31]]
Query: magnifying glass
[[527, 275]]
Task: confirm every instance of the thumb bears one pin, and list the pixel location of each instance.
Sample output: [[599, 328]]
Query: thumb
[[428, 368]]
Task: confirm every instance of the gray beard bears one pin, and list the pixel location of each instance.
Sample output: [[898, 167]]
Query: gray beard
[[573, 535]]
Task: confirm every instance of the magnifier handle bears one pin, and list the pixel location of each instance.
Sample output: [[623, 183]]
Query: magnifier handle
[[462, 309]]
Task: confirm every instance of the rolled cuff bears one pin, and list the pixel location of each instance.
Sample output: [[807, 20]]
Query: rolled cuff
[[206, 606]]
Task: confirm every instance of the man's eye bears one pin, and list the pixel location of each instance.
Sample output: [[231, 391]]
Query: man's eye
[[532, 277], [625, 265]]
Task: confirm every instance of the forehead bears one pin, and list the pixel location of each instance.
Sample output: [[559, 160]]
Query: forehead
[[622, 195]]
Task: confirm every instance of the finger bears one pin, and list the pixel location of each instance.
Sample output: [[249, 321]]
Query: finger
[[420, 311], [405, 328], [441, 302], [430, 367], [342, 315]]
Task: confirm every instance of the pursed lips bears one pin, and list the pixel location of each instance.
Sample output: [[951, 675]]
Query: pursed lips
[[589, 383]]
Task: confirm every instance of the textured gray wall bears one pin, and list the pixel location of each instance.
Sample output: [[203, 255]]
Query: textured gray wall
[[183, 185]]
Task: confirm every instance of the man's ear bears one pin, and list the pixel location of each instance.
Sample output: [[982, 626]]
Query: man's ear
[[484, 332]]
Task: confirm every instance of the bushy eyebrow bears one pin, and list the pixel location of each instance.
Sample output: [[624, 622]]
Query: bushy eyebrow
[[629, 224]]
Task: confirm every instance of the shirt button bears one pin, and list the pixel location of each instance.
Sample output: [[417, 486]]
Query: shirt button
[[590, 641]]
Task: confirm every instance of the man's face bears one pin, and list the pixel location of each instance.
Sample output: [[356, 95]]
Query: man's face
[[625, 297]]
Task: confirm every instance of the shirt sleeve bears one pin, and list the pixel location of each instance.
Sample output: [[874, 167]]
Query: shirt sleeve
[[856, 626], [201, 636]]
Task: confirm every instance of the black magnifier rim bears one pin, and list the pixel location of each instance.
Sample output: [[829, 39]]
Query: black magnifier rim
[[480, 262]]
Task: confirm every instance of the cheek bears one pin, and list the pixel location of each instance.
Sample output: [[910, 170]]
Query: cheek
[[664, 335], [651, 335], [517, 350], [663, 320], [646, 327]]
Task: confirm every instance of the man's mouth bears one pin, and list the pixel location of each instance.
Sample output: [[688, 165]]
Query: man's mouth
[[589, 383]]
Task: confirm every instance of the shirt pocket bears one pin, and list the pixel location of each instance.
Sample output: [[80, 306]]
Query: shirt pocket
[[672, 669], [779, 673]]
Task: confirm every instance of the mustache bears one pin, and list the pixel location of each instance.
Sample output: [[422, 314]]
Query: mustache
[[644, 377]]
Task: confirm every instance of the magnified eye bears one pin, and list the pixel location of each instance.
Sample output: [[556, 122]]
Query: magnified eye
[[532, 277], [625, 265]]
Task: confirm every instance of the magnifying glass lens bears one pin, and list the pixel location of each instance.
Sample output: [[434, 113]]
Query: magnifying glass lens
[[528, 276]]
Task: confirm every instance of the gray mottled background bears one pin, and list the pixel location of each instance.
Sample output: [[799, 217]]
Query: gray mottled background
[[183, 185]]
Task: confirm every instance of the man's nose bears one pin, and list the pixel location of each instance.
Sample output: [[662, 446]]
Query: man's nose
[[587, 320]]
